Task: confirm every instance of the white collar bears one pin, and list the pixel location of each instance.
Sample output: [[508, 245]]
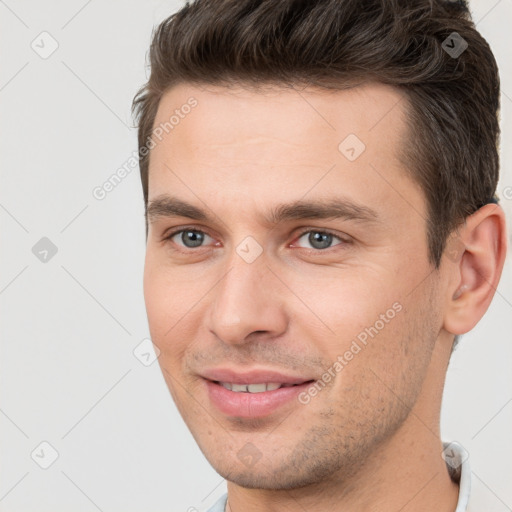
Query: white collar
[[457, 462]]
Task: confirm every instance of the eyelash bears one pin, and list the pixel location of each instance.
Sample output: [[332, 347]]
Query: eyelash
[[344, 242]]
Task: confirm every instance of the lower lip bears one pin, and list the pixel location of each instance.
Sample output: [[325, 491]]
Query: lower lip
[[252, 405]]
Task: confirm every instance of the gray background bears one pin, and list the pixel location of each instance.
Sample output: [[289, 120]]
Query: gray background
[[69, 326]]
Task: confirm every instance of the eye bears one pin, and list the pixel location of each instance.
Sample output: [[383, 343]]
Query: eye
[[320, 240], [189, 238]]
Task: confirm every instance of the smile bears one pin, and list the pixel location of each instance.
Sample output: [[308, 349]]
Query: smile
[[254, 388], [254, 400]]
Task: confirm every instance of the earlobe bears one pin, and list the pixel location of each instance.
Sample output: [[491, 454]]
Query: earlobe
[[476, 271]]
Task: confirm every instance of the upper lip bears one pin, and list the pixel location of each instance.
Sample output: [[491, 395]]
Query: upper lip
[[251, 376]]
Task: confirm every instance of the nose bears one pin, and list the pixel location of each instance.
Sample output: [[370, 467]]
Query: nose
[[248, 299]]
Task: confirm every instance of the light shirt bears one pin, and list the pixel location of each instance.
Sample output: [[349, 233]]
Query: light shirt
[[457, 462]]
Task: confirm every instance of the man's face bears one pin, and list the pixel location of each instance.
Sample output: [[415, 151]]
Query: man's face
[[255, 292]]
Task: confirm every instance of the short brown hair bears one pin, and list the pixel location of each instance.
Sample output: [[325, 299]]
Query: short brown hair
[[334, 44]]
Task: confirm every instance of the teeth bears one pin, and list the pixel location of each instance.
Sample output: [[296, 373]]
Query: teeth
[[256, 388], [252, 388]]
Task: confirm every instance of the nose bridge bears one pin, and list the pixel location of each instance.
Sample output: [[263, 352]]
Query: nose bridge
[[246, 298]]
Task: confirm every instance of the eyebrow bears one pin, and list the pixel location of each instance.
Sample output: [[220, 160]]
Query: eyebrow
[[335, 208]]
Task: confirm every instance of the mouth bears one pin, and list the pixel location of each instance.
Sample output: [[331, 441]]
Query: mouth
[[258, 388], [254, 400]]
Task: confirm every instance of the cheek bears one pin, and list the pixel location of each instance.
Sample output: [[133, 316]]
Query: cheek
[[167, 293], [174, 301], [157, 298], [349, 302], [377, 330], [165, 305]]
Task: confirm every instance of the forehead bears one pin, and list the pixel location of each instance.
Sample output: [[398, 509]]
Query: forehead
[[231, 115], [263, 145]]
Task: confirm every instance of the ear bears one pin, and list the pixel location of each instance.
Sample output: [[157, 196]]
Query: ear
[[474, 257]]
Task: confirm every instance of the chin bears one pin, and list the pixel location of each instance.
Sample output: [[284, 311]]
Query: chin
[[265, 477]]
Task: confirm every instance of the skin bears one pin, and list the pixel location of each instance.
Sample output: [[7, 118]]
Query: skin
[[369, 440]]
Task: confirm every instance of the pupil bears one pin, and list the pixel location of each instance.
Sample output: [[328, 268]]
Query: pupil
[[320, 240], [192, 238]]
